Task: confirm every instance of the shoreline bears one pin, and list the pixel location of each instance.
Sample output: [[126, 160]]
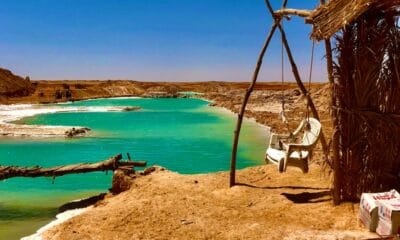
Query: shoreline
[[95, 98], [8, 127], [11, 113], [59, 218], [250, 119]]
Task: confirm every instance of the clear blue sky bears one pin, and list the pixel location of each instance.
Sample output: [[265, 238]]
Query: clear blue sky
[[148, 40]]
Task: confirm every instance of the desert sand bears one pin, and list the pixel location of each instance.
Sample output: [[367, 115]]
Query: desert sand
[[265, 205]]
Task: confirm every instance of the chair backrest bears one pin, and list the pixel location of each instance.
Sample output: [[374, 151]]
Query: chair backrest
[[311, 135]]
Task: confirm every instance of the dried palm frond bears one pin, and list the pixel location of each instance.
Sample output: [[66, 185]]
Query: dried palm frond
[[329, 18], [367, 90]]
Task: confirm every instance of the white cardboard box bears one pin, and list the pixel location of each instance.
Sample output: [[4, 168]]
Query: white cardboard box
[[389, 217], [369, 205]]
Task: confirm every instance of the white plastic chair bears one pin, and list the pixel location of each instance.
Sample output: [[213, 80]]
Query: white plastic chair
[[294, 154]]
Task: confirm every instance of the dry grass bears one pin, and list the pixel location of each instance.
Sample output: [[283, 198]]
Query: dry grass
[[331, 17], [367, 88]]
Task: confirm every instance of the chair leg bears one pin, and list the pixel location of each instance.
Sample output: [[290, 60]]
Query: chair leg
[[285, 163], [266, 159], [281, 166], [305, 165]]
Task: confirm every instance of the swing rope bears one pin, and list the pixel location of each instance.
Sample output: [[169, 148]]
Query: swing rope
[[309, 81], [282, 113]]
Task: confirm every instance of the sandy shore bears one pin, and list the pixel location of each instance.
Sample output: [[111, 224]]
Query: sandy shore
[[60, 218], [267, 205], [15, 112]]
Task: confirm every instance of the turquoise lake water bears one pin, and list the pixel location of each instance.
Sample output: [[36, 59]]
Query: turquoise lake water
[[183, 135]]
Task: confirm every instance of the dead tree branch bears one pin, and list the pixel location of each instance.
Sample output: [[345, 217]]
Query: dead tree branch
[[109, 164]]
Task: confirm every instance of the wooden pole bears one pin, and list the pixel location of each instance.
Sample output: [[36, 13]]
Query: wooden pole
[[297, 76], [289, 11], [335, 141], [232, 176], [109, 164], [232, 181]]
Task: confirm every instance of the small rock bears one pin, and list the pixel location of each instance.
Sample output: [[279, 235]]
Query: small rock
[[130, 109], [250, 204], [186, 222], [296, 92], [120, 182], [147, 171], [76, 132]]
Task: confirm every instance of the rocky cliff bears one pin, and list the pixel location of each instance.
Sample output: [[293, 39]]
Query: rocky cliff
[[12, 85]]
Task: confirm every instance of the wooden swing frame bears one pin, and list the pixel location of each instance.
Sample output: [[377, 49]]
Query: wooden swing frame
[[277, 17]]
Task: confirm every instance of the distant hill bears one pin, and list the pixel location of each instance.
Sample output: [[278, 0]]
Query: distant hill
[[12, 85]]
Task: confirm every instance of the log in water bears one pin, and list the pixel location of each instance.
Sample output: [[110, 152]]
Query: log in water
[[112, 163]]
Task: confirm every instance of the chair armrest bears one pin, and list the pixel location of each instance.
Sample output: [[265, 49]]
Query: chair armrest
[[276, 138], [299, 128], [273, 140]]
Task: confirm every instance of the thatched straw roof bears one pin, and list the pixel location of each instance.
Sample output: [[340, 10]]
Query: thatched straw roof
[[331, 17]]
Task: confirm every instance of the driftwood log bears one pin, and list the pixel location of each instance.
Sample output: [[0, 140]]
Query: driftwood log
[[112, 163]]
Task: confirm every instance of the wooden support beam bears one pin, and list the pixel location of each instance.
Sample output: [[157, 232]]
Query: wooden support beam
[[290, 11], [232, 175], [337, 185], [335, 140], [232, 180], [109, 164]]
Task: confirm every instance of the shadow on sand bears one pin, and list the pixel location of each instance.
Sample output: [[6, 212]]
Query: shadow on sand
[[281, 187], [309, 197], [304, 197]]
